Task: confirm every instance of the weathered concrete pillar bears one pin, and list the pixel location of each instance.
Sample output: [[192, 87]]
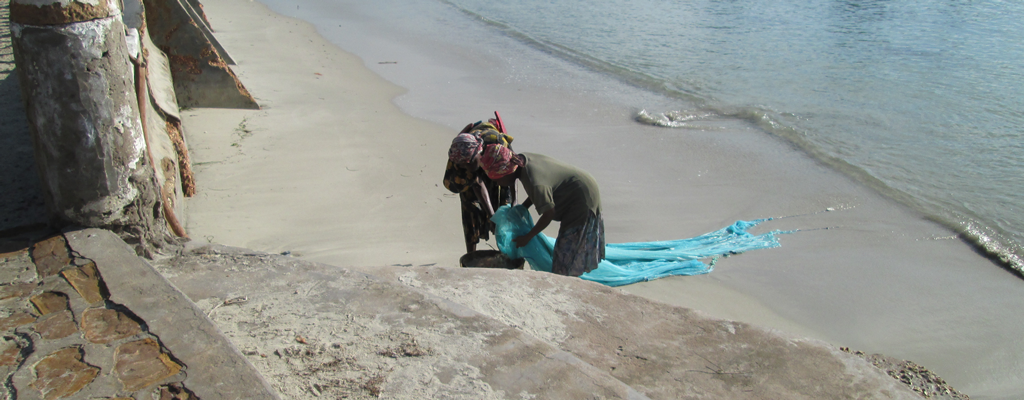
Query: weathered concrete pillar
[[79, 89]]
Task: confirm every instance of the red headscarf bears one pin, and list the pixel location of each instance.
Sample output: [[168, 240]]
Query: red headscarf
[[499, 161]]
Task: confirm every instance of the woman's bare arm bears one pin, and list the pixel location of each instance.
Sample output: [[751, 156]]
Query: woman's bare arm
[[542, 222]]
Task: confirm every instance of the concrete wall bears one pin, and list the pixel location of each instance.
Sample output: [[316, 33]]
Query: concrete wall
[[102, 109]]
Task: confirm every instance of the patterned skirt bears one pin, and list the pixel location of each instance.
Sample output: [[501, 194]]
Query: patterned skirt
[[579, 249]]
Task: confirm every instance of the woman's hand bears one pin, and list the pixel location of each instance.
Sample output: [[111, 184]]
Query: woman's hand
[[542, 222], [522, 241]]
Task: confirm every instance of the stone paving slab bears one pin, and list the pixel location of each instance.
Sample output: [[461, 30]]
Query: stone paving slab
[[316, 330], [663, 351], [654, 349], [83, 317]]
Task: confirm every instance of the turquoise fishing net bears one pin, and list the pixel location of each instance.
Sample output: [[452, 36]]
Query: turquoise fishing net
[[627, 263]]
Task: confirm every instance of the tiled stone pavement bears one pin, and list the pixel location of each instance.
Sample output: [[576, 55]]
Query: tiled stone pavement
[[62, 335], [82, 317]]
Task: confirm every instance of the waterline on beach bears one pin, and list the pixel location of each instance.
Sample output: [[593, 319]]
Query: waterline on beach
[[1000, 246]]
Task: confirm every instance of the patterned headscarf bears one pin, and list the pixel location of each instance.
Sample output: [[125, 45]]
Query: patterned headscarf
[[499, 161], [465, 148]]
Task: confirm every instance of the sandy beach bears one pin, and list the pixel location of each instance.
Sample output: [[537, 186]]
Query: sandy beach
[[342, 166]]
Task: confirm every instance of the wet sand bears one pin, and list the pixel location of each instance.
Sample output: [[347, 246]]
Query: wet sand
[[343, 166]]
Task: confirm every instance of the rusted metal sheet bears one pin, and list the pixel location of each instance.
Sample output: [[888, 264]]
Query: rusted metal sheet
[[201, 76], [161, 85], [195, 10], [165, 157]]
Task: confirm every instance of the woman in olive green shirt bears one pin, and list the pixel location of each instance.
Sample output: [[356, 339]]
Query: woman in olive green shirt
[[561, 192]]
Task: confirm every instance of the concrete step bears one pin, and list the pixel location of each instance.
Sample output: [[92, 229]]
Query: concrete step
[[230, 323], [508, 334], [663, 351], [318, 330]]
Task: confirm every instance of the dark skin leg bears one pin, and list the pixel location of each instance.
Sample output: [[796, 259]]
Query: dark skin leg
[[481, 193]]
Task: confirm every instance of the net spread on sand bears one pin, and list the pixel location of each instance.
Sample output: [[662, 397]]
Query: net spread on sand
[[627, 263]]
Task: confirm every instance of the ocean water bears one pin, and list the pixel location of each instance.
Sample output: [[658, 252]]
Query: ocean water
[[923, 101]]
